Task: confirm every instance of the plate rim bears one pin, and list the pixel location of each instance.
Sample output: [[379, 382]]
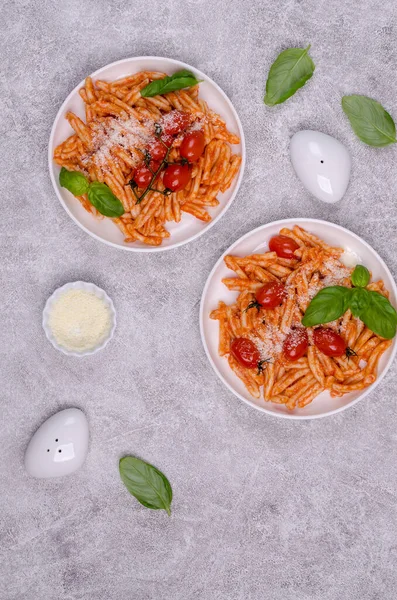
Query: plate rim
[[263, 409], [149, 249]]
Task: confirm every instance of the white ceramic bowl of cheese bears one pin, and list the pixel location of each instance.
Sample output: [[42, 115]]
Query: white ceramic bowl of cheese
[[88, 287]]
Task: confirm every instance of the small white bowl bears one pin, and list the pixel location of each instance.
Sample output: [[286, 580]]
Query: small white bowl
[[256, 241], [88, 287], [104, 230]]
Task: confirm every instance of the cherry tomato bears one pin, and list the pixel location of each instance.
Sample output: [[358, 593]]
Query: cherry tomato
[[271, 294], [176, 177], [175, 122], [329, 342], [295, 344], [192, 146], [143, 175], [245, 352], [283, 246], [157, 150]]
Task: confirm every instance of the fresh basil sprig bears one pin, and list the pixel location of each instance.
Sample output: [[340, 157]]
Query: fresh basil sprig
[[360, 276], [99, 194], [170, 83], [369, 120], [289, 72], [149, 485], [371, 307], [73, 181]]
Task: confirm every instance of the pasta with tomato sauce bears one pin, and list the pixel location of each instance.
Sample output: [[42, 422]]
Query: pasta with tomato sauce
[[262, 336], [160, 156]]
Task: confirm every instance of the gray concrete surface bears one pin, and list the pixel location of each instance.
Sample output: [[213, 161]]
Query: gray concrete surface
[[264, 509]]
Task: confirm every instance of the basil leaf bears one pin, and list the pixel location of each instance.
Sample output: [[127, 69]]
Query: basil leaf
[[369, 120], [177, 81], [73, 181], [149, 486], [329, 304], [359, 301], [380, 316], [371, 307], [360, 276], [102, 197], [289, 72]]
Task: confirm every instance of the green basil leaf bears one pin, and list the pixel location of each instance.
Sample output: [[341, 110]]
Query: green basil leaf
[[102, 197], [149, 486], [289, 72], [380, 316], [369, 120], [359, 301], [73, 181], [360, 276], [177, 81], [329, 304]]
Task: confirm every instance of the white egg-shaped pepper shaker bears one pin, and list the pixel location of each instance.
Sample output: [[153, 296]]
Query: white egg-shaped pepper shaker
[[59, 446]]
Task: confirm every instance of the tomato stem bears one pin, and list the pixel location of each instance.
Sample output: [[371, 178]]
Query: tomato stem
[[253, 304], [133, 189], [165, 192], [149, 187], [158, 130], [164, 144], [350, 352], [261, 368]]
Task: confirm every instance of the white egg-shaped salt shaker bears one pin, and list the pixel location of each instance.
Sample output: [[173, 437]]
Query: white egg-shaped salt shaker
[[322, 163]]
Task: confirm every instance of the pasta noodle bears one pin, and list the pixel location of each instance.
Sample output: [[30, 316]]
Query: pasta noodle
[[295, 383], [120, 124]]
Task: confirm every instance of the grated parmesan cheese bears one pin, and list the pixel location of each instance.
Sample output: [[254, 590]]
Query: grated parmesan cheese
[[127, 134], [198, 125], [79, 320], [271, 344], [337, 272]]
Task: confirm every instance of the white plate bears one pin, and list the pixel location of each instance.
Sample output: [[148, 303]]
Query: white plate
[[88, 287], [189, 228], [214, 290]]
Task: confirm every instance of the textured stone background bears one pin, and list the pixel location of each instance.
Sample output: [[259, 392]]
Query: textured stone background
[[264, 509]]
